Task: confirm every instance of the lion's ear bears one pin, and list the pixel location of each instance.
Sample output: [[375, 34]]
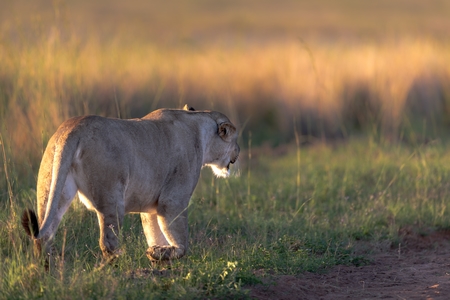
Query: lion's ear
[[226, 130], [189, 108]]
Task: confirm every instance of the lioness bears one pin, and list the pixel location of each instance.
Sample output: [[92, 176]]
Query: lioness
[[148, 166]]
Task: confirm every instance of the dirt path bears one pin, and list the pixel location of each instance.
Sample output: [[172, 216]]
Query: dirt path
[[421, 270]]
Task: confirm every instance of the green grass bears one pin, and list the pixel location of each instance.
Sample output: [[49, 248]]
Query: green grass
[[289, 215]]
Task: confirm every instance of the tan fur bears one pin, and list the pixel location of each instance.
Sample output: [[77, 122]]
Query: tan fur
[[148, 166]]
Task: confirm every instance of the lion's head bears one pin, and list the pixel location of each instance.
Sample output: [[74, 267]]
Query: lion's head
[[224, 149]]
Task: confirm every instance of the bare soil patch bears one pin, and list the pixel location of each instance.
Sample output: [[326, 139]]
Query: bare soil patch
[[418, 269]]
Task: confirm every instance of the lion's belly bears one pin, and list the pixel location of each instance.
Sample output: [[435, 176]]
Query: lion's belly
[[133, 203], [137, 203], [143, 184]]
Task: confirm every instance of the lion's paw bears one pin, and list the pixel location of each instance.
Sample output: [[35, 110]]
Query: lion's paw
[[158, 253]]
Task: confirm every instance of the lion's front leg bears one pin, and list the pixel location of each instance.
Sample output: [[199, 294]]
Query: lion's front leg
[[152, 232], [173, 224]]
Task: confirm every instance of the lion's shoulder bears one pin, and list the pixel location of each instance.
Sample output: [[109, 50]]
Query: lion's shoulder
[[187, 115], [166, 114]]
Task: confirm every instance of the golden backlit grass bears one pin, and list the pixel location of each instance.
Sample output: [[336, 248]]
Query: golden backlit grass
[[52, 79]]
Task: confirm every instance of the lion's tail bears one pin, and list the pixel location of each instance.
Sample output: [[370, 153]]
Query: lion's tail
[[62, 161], [30, 223]]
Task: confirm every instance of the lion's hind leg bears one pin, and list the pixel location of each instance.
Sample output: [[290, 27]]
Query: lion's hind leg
[[110, 224]]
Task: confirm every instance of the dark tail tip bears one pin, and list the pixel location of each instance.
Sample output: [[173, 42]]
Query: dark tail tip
[[30, 223]]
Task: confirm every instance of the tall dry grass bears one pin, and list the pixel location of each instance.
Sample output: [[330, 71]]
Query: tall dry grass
[[271, 87]]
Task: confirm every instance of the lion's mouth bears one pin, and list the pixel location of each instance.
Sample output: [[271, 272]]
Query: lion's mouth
[[233, 160]]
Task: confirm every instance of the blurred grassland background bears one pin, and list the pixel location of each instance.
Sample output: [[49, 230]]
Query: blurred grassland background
[[323, 69], [373, 73]]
